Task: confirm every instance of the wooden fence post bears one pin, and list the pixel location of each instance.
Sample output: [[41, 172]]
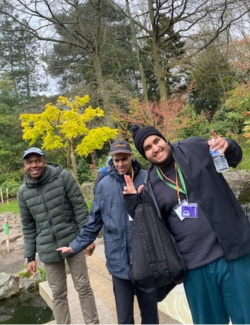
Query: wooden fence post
[[7, 195], [1, 194]]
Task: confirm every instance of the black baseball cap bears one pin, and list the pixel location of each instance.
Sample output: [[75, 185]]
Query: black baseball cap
[[120, 146]]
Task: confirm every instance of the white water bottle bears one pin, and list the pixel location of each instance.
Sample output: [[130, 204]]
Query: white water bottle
[[220, 161]]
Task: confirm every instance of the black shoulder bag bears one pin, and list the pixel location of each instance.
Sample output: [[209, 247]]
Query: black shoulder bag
[[156, 262]]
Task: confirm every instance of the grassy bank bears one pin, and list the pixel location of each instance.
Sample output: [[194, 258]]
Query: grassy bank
[[12, 207]]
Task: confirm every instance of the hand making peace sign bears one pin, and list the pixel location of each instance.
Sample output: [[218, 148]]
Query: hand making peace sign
[[130, 188]]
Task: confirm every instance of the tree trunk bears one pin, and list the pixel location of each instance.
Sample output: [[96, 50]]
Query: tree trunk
[[107, 120], [157, 59], [72, 158], [158, 72], [94, 159], [138, 56]]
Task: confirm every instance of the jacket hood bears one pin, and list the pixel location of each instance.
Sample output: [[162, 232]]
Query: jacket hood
[[51, 172]]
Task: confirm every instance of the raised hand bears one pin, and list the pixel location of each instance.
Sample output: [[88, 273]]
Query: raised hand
[[218, 143], [130, 188]]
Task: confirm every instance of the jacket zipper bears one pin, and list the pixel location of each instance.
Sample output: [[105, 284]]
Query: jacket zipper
[[51, 223]]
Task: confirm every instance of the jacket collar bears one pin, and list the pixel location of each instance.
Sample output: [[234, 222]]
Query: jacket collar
[[114, 173]]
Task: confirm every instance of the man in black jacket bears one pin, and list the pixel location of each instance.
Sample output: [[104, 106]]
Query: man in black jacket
[[214, 237]]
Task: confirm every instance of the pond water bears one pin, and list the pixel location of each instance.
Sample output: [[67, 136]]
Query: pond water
[[245, 203], [246, 208], [26, 308]]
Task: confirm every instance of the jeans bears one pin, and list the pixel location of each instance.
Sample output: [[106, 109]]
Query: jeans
[[124, 291]]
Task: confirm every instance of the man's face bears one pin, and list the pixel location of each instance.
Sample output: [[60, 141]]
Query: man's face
[[122, 162], [34, 165], [157, 151]]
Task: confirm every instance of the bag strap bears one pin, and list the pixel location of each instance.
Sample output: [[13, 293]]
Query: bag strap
[[148, 248], [154, 224], [158, 245], [152, 198]]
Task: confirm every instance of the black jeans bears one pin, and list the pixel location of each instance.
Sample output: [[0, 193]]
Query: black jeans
[[124, 291]]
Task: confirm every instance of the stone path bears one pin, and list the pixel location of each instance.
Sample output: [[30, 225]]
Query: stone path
[[101, 284], [11, 261]]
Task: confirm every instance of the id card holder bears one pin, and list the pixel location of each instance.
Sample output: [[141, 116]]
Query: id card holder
[[178, 209], [189, 210]]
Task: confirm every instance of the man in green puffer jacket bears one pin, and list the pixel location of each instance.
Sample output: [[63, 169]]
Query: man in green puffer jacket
[[53, 211]]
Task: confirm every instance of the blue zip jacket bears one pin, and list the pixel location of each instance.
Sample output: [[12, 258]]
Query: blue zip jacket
[[108, 211]]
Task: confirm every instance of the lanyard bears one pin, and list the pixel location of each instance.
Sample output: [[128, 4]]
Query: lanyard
[[174, 184], [132, 173]]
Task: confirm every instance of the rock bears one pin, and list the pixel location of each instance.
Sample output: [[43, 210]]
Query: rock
[[87, 190], [9, 285], [29, 283], [239, 181], [12, 284]]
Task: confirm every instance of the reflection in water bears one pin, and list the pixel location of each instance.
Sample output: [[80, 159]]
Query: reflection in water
[[246, 208], [27, 308]]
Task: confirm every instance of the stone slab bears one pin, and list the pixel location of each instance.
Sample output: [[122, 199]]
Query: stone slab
[[101, 283], [176, 306]]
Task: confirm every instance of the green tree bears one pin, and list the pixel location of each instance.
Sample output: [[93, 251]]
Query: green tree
[[19, 58], [234, 113], [111, 41], [185, 19], [170, 52], [83, 26], [11, 144], [211, 79]]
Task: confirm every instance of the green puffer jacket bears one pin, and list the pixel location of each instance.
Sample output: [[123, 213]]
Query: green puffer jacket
[[52, 212]]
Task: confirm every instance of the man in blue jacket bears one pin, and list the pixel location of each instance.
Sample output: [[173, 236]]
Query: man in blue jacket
[[108, 211], [214, 237]]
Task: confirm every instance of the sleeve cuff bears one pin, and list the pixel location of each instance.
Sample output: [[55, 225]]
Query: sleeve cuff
[[31, 258]]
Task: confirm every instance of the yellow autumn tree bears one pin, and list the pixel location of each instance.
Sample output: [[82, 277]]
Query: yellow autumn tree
[[65, 126]]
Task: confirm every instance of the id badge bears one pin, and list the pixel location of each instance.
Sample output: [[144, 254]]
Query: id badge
[[178, 209], [189, 210]]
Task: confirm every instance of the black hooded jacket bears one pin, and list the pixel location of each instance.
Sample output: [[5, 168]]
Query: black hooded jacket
[[216, 198]]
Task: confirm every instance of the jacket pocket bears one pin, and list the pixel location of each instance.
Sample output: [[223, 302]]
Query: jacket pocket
[[113, 253]]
